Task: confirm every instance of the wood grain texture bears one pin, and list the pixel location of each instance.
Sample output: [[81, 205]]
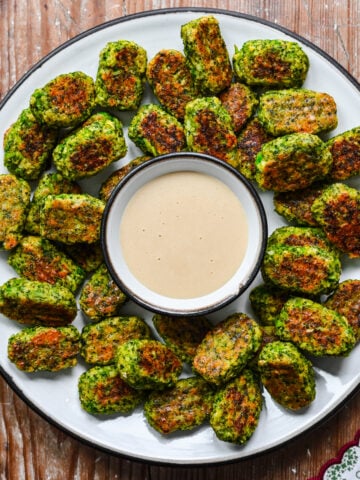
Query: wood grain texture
[[31, 448]]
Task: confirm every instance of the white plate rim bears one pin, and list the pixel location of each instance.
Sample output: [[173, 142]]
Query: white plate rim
[[133, 17]]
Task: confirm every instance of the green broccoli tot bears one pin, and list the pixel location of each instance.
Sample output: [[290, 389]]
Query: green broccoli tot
[[271, 63], [207, 55]]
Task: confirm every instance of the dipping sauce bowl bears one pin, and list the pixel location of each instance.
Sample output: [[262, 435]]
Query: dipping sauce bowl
[[184, 234]]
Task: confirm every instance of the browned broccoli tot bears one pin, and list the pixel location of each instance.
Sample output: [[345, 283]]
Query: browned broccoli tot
[[301, 238], [71, 218], [294, 236], [147, 364], [240, 101], [65, 101], [305, 270], [115, 177], [226, 349], [182, 334], [97, 143], [14, 200], [120, 76], [345, 151], [100, 297], [206, 55], [103, 391], [28, 146], [36, 258], [170, 79], [267, 302], [236, 409], [49, 184], [297, 111], [88, 256], [271, 63], [287, 375], [99, 341], [314, 328], [44, 348], [156, 132], [209, 129], [295, 206], [249, 143], [345, 301], [292, 162], [184, 406], [31, 302], [337, 211]]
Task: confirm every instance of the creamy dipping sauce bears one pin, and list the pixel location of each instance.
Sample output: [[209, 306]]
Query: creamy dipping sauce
[[184, 234]]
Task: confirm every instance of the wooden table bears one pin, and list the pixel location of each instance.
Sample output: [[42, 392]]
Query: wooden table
[[30, 447]]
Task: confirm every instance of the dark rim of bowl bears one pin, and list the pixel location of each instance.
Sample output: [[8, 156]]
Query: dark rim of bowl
[[210, 308]]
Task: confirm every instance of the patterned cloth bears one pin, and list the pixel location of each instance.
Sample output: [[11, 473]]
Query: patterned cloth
[[345, 466]]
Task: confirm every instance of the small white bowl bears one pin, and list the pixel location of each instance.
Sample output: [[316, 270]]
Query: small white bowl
[[171, 163]]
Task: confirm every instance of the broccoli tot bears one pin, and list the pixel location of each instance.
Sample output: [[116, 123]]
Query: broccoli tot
[[28, 146], [305, 270], [184, 406], [100, 297], [44, 348], [102, 391], [206, 55], [54, 183], [209, 129], [226, 349], [295, 206], [292, 162], [93, 146], [120, 76], [300, 237], [236, 409], [65, 101], [14, 200], [31, 302], [147, 364], [182, 334], [49, 184], [71, 218], [345, 152], [271, 63], [297, 110], [345, 301], [171, 81], [314, 328], [287, 375], [267, 302], [99, 341], [156, 132], [240, 101], [249, 143], [337, 211], [36, 258], [301, 260]]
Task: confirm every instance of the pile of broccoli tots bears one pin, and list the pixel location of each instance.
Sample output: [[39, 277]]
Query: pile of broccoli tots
[[250, 111]]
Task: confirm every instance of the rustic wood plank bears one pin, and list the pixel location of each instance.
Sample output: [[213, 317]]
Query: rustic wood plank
[[30, 447]]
